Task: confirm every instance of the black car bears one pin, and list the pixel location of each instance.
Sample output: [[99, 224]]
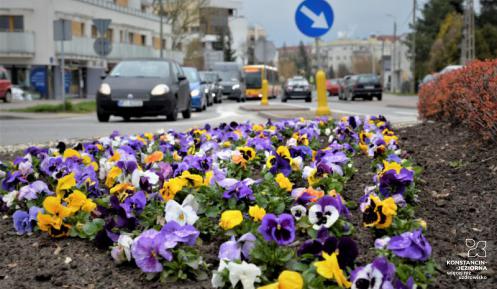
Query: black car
[[232, 80], [297, 88], [136, 88], [214, 88], [364, 86]]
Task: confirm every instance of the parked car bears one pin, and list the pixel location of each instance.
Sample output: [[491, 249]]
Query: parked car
[[197, 89], [5, 86], [333, 87], [297, 87], [434, 76], [364, 86], [214, 90], [343, 84], [232, 80], [136, 88]]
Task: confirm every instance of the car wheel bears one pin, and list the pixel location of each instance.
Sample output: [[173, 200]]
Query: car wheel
[[102, 117], [379, 97], [173, 116], [188, 112], [284, 99], [8, 97], [308, 99]]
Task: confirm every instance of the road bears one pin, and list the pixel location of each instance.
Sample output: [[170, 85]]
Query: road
[[43, 130]]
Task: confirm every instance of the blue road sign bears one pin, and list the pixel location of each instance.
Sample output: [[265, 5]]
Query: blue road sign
[[314, 18]]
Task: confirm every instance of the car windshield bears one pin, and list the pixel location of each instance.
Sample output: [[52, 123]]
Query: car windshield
[[191, 74], [253, 79], [152, 69], [299, 82], [367, 78], [229, 75], [208, 77]]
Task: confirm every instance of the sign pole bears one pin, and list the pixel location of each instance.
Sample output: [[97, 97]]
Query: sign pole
[[62, 73]]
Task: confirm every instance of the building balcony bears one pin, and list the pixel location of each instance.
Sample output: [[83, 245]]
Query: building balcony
[[81, 48], [17, 44]]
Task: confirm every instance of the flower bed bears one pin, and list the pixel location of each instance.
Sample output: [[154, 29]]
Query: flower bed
[[270, 195]]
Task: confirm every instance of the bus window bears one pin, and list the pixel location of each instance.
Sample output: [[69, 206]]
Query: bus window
[[253, 79]]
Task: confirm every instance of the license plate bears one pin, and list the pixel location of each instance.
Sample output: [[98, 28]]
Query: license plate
[[369, 87], [130, 103], [299, 89]]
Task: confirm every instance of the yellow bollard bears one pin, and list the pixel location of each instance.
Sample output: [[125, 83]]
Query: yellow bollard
[[264, 92], [323, 108]]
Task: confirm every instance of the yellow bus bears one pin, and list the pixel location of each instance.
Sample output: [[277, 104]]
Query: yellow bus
[[254, 74]]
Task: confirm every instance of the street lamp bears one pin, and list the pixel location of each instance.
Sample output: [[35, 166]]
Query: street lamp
[[394, 53]]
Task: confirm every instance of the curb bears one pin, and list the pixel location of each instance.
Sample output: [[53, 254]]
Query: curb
[[32, 115], [274, 107]]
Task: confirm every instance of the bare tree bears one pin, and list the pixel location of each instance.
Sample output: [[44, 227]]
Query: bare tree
[[182, 16]]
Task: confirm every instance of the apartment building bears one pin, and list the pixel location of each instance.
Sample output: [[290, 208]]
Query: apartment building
[[30, 54], [384, 55]]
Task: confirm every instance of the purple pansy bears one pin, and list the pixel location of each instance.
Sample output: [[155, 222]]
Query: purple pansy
[[240, 190], [379, 274], [410, 245], [236, 249], [347, 249], [174, 232], [280, 229], [31, 191], [133, 206], [147, 248], [24, 221], [392, 183]]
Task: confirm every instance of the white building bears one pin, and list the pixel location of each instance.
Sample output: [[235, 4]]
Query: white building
[[381, 54], [28, 51]]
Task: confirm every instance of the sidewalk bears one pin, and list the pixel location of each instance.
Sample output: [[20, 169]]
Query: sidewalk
[[18, 104]]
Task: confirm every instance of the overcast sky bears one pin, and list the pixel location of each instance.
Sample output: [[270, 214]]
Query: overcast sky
[[355, 18]]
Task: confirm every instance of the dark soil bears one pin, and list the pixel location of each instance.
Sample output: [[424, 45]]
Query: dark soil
[[458, 200]]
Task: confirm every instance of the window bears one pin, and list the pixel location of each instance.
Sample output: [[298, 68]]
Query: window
[[94, 33], [131, 35], [109, 34], [82, 29], [11, 23], [143, 40], [121, 37], [3, 75]]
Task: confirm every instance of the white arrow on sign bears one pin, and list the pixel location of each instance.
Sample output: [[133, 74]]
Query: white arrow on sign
[[320, 21]]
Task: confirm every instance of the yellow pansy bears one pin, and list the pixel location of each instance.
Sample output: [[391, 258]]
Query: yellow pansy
[[78, 201], [115, 157], [171, 187], [257, 127], [52, 220], [284, 152], [149, 136], [284, 182], [380, 213], [287, 280], [69, 153], [65, 183], [330, 269], [121, 191], [176, 156], [112, 175], [257, 213], [247, 153], [391, 166], [208, 178], [226, 144], [230, 219], [192, 180]]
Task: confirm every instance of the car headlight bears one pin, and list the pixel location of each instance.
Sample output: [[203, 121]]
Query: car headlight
[[160, 89], [104, 89], [195, 92], [206, 90], [235, 86]]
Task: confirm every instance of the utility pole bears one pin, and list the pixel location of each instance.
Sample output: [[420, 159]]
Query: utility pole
[[161, 15], [373, 59], [413, 54], [468, 39], [394, 58]]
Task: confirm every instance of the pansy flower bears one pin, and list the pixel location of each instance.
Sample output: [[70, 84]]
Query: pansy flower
[[345, 247], [329, 268], [326, 212], [25, 221], [234, 249], [134, 205], [181, 214], [410, 245], [31, 191], [52, 221], [287, 280], [394, 179], [378, 213], [377, 275], [283, 182], [280, 229]]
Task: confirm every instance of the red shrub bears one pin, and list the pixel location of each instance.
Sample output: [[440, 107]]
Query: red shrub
[[467, 96]]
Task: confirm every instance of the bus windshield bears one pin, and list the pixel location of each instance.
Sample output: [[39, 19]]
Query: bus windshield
[[253, 79]]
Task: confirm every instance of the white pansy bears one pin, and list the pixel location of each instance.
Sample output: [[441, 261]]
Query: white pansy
[[181, 214], [327, 131], [291, 142], [190, 201], [320, 217], [9, 198], [246, 273], [298, 211], [125, 241], [152, 177], [297, 163], [308, 171], [370, 273], [217, 279]]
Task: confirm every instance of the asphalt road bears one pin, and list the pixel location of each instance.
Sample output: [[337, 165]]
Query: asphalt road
[[54, 128]]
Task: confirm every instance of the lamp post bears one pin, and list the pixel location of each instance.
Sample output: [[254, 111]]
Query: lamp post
[[394, 85]]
